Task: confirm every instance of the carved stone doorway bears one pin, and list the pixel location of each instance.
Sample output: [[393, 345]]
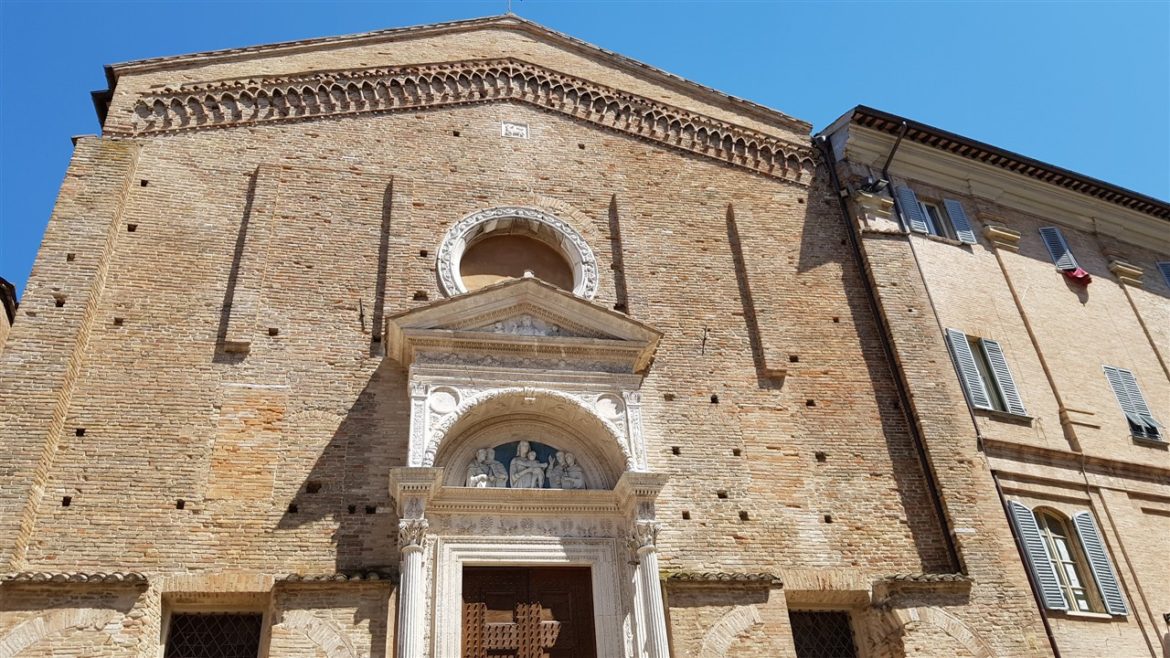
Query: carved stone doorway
[[528, 612]]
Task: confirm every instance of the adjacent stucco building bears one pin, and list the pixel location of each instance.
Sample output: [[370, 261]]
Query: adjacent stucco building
[[1049, 292], [472, 338]]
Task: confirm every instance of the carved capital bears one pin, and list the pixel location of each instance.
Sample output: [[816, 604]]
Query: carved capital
[[1127, 273], [644, 538], [412, 533], [1002, 237]]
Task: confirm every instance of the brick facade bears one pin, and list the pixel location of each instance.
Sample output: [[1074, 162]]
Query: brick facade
[[212, 413]]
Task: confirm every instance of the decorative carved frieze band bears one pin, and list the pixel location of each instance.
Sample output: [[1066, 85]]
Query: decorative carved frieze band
[[252, 101], [73, 577], [724, 579]]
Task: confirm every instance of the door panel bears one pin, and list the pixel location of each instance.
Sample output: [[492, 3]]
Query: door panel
[[511, 612]]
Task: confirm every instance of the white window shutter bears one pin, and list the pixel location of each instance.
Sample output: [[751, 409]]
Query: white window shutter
[[1100, 563], [1061, 255], [968, 371], [1136, 399], [912, 214], [1003, 376], [960, 221], [1037, 554], [1120, 390]]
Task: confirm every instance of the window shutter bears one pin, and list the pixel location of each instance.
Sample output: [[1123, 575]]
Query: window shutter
[[968, 371], [1137, 400], [1003, 376], [1033, 544], [1164, 268], [960, 221], [911, 212], [1117, 383], [1058, 248], [1099, 561]]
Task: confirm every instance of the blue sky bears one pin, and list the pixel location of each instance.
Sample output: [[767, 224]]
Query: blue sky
[[1083, 85]]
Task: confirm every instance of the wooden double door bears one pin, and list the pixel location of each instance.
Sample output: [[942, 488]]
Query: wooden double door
[[528, 612]]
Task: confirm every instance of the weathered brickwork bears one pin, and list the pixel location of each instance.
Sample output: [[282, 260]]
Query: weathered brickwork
[[1072, 452], [213, 405]]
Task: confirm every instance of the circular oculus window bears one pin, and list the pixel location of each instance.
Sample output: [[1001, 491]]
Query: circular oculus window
[[508, 242]]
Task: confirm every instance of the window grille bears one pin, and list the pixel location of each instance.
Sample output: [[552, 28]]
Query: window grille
[[214, 635], [822, 635]]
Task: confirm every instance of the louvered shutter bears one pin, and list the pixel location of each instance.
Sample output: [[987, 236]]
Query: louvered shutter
[[1137, 400], [968, 371], [1058, 248], [1003, 376], [912, 214], [1029, 535], [1099, 561], [1120, 390], [960, 221], [1164, 268]]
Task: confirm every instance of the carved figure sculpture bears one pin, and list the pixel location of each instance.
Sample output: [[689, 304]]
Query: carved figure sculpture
[[497, 474], [527, 473], [478, 472], [573, 477], [555, 470], [514, 467]]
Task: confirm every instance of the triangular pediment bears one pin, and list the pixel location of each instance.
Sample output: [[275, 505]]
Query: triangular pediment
[[522, 316], [381, 73]]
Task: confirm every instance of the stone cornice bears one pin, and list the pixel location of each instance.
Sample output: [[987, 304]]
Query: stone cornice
[[1142, 225], [1003, 453], [339, 578], [723, 579], [318, 94], [75, 578]]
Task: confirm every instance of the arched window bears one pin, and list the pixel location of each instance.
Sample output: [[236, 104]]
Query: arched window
[[1068, 561]]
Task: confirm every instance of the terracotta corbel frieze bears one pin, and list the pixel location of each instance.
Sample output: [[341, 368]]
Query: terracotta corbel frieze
[[316, 94]]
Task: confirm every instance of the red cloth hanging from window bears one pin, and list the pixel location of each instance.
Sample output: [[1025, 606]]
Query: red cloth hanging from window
[[1078, 275]]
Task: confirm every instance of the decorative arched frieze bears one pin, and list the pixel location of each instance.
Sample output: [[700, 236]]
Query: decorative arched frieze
[[467, 407], [32, 631], [737, 621], [322, 632], [316, 94], [893, 625], [544, 226]]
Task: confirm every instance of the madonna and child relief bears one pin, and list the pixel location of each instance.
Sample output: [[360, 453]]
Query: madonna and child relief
[[530, 465]]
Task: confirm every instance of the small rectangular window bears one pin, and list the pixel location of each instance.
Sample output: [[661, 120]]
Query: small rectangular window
[[984, 373], [214, 635], [937, 222], [1133, 404], [822, 634]]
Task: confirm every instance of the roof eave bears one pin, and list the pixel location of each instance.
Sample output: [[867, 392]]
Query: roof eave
[[958, 145], [511, 21]]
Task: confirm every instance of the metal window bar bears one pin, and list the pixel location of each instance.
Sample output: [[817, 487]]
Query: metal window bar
[[822, 634], [214, 635]]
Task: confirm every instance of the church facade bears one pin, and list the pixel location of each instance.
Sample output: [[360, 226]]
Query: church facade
[[475, 339]]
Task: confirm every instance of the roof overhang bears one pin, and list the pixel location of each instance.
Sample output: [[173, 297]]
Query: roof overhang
[[992, 156]]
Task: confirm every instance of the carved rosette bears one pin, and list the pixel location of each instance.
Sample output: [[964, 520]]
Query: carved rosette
[[576, 249], [411, 534]]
